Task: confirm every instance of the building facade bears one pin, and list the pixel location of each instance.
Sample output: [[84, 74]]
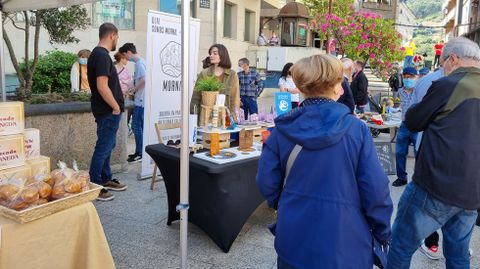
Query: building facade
[[405, 19], [234, 23], [386, 8], [462, 18]]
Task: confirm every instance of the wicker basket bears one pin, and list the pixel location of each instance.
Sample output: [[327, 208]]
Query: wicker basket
[[209, 98], [52, 207]]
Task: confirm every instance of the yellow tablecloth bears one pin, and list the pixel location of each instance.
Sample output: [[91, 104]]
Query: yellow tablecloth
[[69, 239]]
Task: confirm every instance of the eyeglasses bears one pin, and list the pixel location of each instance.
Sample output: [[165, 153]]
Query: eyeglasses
[[173, 143]]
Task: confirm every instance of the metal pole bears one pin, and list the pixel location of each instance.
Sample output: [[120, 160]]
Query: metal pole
[[185, 151], [2, 62]]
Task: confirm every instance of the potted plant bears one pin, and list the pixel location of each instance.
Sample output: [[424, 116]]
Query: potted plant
[[210, 88]]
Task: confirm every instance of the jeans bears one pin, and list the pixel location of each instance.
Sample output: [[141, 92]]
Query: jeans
[[404, 139], [107, 127], [418, 215], [137, 129], [250, 106], [408, 61], [436, 62]]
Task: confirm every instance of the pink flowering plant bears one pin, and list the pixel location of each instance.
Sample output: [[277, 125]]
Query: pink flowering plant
[[363, 35]]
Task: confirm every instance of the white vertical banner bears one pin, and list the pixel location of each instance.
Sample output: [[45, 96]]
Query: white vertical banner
[[163, 88]]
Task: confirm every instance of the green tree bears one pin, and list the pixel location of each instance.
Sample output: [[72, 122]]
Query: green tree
[[52, 73], [424, 8], [319, 8], [60, 24]]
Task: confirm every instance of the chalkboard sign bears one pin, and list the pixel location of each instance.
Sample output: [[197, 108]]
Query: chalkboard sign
[[386, 157], [205, 4]]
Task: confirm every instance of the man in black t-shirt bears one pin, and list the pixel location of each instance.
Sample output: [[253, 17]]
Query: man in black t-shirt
[[359, 87], [107, 107]]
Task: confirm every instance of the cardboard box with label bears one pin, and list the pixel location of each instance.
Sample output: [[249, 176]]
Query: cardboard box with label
[[32, 143], [12, 151], [39, 165], [23, 171], [12, 118]]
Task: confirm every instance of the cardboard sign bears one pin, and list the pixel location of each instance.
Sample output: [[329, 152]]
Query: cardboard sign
[[23, 172], [32, 143], [283, 102], [12, 118], [40, 165], [386, 157], [12, 151]]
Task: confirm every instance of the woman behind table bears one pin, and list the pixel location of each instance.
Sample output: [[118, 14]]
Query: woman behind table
[[220, 67], [126, 79], [336, 201], [286, 84], [78, 73]]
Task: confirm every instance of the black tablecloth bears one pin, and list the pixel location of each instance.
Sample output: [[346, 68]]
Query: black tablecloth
[[222, 197]]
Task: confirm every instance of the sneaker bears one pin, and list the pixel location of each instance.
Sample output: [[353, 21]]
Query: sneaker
[[134, 158], [399, 182], [431, 252], [105, 195], [114, 185]]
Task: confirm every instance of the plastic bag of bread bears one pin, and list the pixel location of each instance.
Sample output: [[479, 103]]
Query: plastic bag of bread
[[68, 181], [7, 193], [19, 194], [25, 198], [44, 189], [83, 176], [45, 176], [43, 182]]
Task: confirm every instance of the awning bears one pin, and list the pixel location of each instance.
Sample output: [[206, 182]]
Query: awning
[[20, 5]]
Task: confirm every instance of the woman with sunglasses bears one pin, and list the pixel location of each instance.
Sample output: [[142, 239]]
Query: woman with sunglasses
[[286, 84]]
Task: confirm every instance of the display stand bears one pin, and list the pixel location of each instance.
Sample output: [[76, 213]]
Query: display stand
[[206, 116], [246, 140], [223, 137]]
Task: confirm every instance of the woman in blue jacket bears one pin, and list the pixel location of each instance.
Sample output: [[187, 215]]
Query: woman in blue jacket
[[334, 210]]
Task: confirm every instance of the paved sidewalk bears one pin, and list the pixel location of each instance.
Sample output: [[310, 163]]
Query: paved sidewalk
[[136, 229]]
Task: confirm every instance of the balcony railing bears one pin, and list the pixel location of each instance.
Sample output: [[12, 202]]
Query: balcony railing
[[450, 16]]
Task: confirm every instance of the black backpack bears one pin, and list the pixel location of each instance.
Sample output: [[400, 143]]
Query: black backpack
[[394, 82]]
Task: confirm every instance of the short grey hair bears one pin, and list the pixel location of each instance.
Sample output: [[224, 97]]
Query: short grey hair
[[463, 48], [347, 62]]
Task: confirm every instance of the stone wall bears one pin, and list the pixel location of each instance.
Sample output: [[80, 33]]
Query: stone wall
[[68, 132]]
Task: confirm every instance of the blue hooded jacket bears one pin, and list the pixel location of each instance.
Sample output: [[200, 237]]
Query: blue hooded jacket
[[336, 206]]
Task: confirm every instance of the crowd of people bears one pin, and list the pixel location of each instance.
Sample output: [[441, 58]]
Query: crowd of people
[[131, 86], [319, 168]]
